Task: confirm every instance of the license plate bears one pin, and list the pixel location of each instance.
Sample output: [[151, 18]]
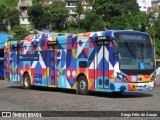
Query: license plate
[[139, 88]]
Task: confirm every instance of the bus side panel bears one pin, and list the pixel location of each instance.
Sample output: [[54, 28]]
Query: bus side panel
[[6, 61], [39, 66], [82, 58], [61, 63], [14, 62], [67, 62], [52, 61], [91, 64], [112, 62], [71, 61]]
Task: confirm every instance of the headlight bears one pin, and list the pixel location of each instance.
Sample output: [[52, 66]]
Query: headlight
[[153, 78], [122, 77]]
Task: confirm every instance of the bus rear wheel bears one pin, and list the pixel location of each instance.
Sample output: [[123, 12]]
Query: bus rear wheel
[[82, 85], [26, 81]]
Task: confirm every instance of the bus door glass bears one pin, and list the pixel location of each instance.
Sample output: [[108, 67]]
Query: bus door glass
[[14, 63], [102, 63], [52, 63]]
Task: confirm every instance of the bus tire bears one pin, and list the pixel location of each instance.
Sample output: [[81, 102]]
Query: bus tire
[[82, 85], [26, 81]]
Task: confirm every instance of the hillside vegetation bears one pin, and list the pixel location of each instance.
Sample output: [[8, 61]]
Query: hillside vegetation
[[9, 3]]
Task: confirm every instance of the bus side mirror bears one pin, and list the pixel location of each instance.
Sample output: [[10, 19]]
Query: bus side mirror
[[116, 48]]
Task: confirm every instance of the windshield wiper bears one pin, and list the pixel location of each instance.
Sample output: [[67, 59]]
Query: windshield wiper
[[142, 52], [132, 53]]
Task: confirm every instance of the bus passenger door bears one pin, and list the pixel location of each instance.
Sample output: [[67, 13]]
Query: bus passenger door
[[52, 65], [102, 65], [14, 63]]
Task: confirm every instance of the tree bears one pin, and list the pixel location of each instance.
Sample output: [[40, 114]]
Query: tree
[[40, 1], [93, 22], [128, 21], [20, 32], [140, 21], [9, 15], [157, 48], [59, 13], [103, 8], [8, 3], [157, 26], [79, 10], [119, 23], [12, 16], [41, 18], [44, 16], [112, 8], [2, 13], [89, 2]]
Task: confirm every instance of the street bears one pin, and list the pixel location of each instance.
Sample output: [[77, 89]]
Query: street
[[14, 98]]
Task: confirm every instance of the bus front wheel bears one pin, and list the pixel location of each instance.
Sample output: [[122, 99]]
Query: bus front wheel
[[26, 81], [82, 85]]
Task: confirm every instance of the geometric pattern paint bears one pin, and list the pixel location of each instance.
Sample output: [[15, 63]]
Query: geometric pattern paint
[[56, 61]]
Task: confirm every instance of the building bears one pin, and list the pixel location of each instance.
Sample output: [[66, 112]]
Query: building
[[71, 5], [24, 19], [144, 5], [155, 7]]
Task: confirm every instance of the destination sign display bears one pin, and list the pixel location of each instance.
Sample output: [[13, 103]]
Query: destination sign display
[[52, 42], [132, 36]]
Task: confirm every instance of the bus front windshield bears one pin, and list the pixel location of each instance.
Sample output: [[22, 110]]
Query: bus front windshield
[[136, 56]]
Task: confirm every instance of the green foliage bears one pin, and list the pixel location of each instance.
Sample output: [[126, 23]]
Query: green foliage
[[46, 16], [40, 17], [119, 23], [128, 21], [157, 27], [72, 24], [79, 9], [73, 30], [92, 22], [157, 44], [9, 3], [103, 8], [39, 1], [140, 21], [12, 16], [20, 32], [59, 13], [2, 11], [112, 8]]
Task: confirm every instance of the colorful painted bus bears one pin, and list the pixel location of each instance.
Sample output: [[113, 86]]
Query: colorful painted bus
[[106, 61]]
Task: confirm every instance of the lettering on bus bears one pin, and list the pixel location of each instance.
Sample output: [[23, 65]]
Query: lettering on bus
[[131, 36], [38, 78], [29, 57]]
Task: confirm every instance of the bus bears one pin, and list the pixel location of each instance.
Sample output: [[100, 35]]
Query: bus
[[114, 61]]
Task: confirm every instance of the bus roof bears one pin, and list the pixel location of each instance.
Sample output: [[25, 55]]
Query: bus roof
[[62, 37]]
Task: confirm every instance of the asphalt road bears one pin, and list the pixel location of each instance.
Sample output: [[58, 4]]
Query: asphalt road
[[14, 98]]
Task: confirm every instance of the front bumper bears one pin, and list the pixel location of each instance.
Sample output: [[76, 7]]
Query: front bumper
[[124, 87]]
